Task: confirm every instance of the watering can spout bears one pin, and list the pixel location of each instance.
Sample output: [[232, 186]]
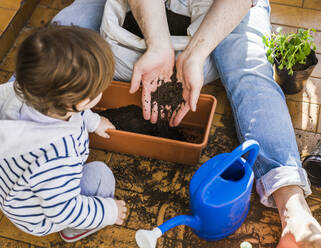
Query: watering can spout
[[148, 238]]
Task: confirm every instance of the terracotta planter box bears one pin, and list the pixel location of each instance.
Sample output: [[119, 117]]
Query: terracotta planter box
[[117, 95]]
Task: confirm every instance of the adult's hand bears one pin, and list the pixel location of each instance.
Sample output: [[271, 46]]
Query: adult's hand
[[190, 72], [224, 15], [155, 64]]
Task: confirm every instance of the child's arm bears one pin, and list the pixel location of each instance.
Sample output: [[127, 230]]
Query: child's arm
[[96, 123], [91, 120], [103, 126], [57, 184]]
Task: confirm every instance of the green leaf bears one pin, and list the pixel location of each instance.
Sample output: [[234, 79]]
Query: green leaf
[[289, 49], [265, 41], [306, 49]]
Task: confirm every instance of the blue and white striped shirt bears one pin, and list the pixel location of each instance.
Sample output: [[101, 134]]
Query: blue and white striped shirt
[[40, 188]]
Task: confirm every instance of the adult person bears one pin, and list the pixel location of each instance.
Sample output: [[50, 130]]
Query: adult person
[[231, 34]]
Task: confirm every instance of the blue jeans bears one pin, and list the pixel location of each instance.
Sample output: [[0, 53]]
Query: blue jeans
[[97, 180], [258, 103]]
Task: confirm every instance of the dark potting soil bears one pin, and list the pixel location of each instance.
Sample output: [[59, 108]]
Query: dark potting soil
[[130, 118], [169, 97], [177, 24]]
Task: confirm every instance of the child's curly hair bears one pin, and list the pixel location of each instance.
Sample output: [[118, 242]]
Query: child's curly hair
[[59, 66]]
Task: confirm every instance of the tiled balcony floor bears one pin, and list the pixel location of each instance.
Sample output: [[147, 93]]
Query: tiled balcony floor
[[161, 189]]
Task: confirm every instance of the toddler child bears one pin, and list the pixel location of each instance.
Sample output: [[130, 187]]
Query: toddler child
[[45, 184]]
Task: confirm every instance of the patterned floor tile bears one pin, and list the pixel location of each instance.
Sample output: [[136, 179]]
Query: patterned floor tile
[[58, 4], [297, 17], [10, 231], [317, 69], [284, 29], [9, 243], [312, 4], [42, 16], [317, 40], [304, 115], [6, 15], [217, 89], [297, 3], [8, 64], [4, 76], [306, 141], [10, 4], [311, 92]]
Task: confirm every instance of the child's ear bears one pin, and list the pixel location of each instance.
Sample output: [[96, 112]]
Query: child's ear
[[82, 105]]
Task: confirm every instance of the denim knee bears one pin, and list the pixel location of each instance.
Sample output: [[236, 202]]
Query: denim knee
[[82, 13], [97, 180]]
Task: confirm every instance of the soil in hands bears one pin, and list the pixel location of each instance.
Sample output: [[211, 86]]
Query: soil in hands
[[177, 24], [168, 97], [130, 118]]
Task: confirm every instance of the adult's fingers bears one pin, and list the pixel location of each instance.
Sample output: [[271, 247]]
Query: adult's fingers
[[179, 72], [136, 79], [154, 114], [146, 102], [180, 115], [153, 85], [194, 95], [168, 73], [171, 120]]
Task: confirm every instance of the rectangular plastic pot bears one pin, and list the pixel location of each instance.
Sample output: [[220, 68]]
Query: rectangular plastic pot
[[117, 95]]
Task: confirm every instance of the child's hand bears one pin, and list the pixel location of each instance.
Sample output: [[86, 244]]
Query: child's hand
[[104, 125], [121, 211]]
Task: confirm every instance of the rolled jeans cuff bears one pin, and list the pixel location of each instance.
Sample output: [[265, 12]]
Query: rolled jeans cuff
[[278, 178]]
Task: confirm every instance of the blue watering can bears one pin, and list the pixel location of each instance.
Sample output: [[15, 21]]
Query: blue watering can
[[220, 193]]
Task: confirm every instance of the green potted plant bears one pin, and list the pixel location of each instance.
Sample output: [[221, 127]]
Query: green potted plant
[[294, 58]]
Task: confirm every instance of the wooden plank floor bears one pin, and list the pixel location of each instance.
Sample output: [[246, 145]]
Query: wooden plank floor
[[157, 190]]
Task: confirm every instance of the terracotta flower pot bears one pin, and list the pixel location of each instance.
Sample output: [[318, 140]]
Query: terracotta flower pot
[[117, 95], [292, 84]]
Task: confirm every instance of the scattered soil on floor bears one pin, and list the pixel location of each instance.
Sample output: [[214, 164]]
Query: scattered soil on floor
[[177, 24], [130, 118]]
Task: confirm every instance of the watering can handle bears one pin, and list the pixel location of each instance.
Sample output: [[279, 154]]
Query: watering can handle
[[250, 146]]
